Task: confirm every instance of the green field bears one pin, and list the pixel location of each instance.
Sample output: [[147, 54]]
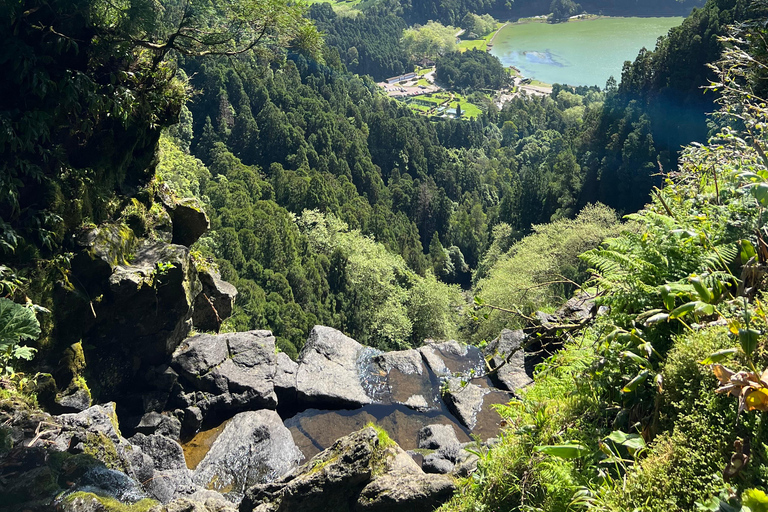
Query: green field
[[478, 44], [427, 104]]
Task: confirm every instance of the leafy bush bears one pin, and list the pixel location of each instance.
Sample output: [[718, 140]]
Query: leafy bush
[[17, 324]]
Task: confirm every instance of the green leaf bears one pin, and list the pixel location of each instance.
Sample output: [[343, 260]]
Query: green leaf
[[24, 353], [683, 310], [668, 297], [755, 499], [704, 293], [748, 339], [719, 356], [747, 251], [704, 309], [636, 358], [564, 451], [760, 192], [655, 319], [17, 322], [634, 383]]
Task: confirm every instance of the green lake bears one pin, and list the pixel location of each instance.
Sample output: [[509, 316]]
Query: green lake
[[583, 52]]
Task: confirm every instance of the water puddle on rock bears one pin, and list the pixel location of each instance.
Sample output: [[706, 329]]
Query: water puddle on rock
[[196, 448], [406, 390]]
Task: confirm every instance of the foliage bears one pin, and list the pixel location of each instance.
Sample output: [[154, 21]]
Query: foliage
[[429, 41], [541, 269], [367, 44], [17, 324], [473, 69], [480, 26]]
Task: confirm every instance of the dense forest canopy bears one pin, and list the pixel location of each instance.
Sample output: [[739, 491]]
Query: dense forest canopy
[[268, 136]]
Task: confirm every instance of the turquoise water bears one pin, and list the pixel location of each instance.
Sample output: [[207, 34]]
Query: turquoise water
[[584, 52]]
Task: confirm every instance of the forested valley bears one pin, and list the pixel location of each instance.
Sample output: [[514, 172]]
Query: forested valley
[[331, 204]]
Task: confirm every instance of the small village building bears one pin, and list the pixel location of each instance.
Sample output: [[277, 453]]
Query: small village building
[[401, 78]]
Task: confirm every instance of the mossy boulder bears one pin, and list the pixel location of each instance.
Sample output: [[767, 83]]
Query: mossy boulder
[[362, 471]]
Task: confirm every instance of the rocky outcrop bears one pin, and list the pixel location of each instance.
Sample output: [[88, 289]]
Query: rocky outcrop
[[328, 373], [402, 378], [465, 400], [226, 373], [255, 447], [285, 378], [507, 357], [214, 303], [362, 471]]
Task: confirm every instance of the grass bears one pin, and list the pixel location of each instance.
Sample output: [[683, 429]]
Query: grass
[[423, 82], [478, 44], [424, 71]]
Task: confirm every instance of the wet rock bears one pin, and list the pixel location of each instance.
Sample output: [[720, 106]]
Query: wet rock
[[214, 303], [401, 378], [231, 371], [108, 482], [451, 358], [511, 375], [255, 447], [328, 374], [189, 221], [435, 437], [357, 473], [464, 400]]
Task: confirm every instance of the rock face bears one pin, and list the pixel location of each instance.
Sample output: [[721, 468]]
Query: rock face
[[255, 447], [328, 373], [511, 375], [189, 221], [214, 303], [402, 378], [228, 372], [285, 378], [359, 472], [465, 400]]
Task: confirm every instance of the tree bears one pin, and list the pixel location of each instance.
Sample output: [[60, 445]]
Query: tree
[[429, 41], [563, 9], [197, 27]]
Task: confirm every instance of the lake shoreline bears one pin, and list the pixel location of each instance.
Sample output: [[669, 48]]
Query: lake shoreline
[[577, 54]]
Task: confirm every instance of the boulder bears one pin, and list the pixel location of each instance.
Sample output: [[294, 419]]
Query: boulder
[[229, 372], [511, 375], [451, 358], [189, 221], [435, 437], [285, 378], [197, 504], [214, 303], [362, 471], [165, 452], [143, 310], [74, 399], [157, 423], [404, 487], [401, 378], [464, 400], [254, 448], [328, 374]]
